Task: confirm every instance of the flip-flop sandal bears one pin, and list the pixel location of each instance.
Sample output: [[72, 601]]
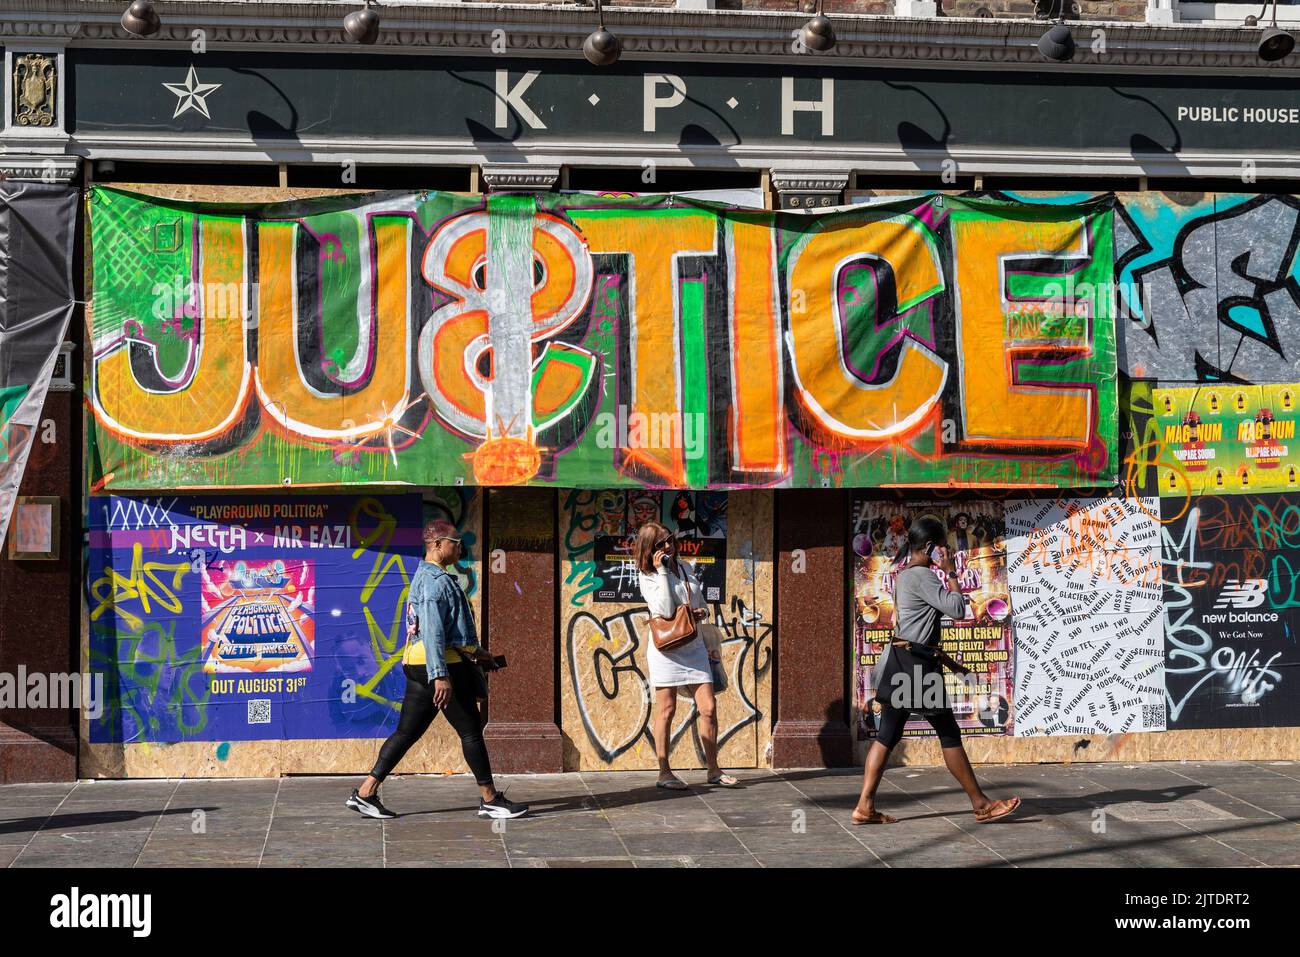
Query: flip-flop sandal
[[1010, 806], [724, 781], [673, 784], [876, 818]]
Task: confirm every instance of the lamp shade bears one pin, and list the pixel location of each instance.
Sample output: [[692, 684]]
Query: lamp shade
[[1057, 44]]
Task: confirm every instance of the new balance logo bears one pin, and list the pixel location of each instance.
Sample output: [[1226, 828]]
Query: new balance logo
[[1242, 594]]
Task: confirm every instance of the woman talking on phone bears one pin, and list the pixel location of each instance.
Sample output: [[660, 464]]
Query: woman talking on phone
[[666, 584], [920, 601]]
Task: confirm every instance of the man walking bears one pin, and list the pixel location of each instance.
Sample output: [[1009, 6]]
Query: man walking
[[440, 662]]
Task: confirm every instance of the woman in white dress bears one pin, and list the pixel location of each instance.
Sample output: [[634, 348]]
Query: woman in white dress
[[666, 584]]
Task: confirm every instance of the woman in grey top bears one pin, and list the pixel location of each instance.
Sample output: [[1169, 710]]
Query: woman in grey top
[[909, 677]]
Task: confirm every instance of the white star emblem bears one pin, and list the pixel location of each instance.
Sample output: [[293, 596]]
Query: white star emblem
[[192, 95]]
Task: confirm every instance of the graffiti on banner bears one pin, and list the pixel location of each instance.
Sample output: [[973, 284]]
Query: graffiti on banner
[[1209, 288], [649, 341], [1085, 584], [981, 641]]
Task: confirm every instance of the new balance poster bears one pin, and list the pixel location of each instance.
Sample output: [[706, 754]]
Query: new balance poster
[[1232, 610]]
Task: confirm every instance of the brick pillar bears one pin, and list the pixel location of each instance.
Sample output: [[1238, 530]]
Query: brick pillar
[[811, 708], [521, 595], [38, 611]]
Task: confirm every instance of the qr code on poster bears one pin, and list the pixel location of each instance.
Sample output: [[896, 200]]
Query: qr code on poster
[[714, 593], [259, 710], [1153, 715]]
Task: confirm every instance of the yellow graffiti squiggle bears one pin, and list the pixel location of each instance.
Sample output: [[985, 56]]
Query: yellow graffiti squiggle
[[383, 644], [142, 585]]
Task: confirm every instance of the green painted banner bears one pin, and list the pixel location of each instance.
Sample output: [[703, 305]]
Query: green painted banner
[[583, 341]]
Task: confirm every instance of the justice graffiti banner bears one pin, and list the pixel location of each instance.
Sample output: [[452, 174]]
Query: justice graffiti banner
[[36, 302], [222, 619], [583, 341]]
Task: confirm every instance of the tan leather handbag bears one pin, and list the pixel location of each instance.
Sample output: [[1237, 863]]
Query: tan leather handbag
[[669, 634]]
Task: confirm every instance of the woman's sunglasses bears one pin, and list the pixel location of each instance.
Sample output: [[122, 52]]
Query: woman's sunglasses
[[671, 539]]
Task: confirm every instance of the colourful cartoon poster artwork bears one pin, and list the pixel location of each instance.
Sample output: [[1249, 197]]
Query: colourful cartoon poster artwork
[[258, 616]]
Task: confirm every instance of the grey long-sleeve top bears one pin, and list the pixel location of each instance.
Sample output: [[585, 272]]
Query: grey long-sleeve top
[[920, 600]]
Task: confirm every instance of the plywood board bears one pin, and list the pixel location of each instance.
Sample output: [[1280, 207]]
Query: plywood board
[[437, 752], [606, 704]]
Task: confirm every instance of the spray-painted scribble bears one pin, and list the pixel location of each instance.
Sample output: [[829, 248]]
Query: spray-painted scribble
[[1209, 292]]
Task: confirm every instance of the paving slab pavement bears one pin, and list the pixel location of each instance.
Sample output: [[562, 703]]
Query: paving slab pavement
[[1176, 814]]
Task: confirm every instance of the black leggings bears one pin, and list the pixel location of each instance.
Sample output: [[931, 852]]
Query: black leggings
[[892, 720], [418, 712]]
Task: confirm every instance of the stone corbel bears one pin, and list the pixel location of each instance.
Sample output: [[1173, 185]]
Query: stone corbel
[[808, 189], [39, 169], [519, 177], [916, 8]]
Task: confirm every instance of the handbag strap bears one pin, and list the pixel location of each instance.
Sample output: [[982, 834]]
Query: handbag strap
[[685, 581]]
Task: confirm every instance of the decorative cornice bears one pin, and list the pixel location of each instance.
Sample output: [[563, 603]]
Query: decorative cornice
[[791, 181], [507, 176], [41, 169], [650, 33]]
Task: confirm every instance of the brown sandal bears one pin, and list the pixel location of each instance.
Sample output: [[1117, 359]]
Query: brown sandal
[[875, 818], [997, 809]]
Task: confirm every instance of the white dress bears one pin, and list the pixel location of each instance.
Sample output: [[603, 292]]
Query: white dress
[[663, 592]]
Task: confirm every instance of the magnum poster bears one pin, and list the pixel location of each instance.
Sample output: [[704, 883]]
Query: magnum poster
[[1228, 439]]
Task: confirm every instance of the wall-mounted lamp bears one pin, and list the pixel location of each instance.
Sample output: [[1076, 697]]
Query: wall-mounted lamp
[[1057, 44], [1275, 43], [818, 34], [362, 26], [141, 19], [601, 48]]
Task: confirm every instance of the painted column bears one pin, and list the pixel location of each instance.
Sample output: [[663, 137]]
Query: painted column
[[521, 590], [811, 704]]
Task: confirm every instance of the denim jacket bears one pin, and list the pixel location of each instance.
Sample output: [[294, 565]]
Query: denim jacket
[[439, 614]]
